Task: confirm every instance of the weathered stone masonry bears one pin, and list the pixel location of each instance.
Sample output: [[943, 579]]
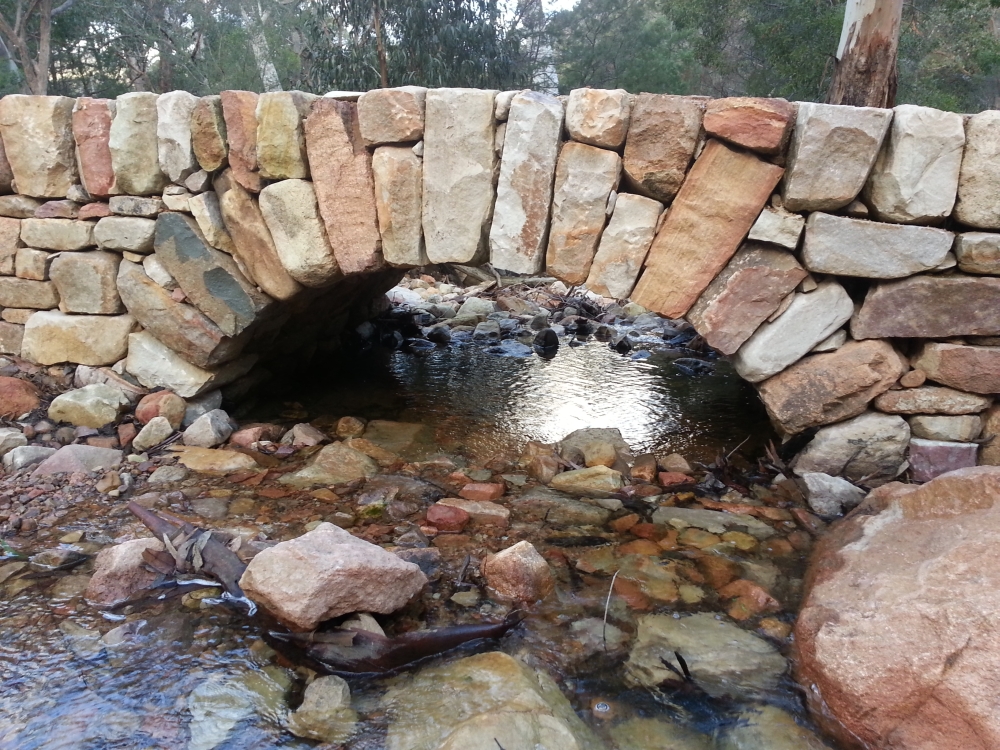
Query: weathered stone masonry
[[848, 259]]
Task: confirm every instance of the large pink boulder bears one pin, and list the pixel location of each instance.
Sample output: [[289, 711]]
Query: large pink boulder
[[120, 571], [898, 640], [326, 573]]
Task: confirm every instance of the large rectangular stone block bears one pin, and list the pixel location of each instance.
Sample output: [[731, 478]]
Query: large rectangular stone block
[[392, 115], [930, 307], [27, 293], [832, 151], [134, 145], [979, 178], [744, 295], [86, 282], [524, 191], [585, 177], [826, 388], [915, 178], [978, 252], [156, 365], [239, 110], [57, 234], [38, 140], [345, 188], [855, 247], [714, 210], [399, 176], [761, 125], [931, 399], [624, 245], [975, 369], [663, 133], [281, 142], [51, 337], [290, 210], [599, 117], [459, 161], [173, 131], [92, 133]]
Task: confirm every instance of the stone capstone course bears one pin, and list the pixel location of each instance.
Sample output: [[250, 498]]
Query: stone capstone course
[[86, 282], [135, 146], [281, 142], [292, 215], [624, 245], [979, 179], [662, 137], [239, 111], [712, 214], [599, 117], [392, 115], [174, 111], [398, 176], [761, 125], [832, 151], [870, 448], [208, 134], [38, 142], [92, 134], [854, 247], [915, 178], [975, 369], [51, 337]]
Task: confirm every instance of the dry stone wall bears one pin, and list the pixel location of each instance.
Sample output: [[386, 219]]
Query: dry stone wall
[[848, 259]]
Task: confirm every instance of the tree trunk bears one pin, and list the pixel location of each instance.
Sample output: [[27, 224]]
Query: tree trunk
[[865, 74], [261, 51], [383, 67]]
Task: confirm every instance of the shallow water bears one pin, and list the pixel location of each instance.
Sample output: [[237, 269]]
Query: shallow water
[[60, 689]]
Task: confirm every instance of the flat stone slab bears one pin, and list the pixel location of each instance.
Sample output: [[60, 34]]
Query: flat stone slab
[[78, 458], [975, 369], [931, 399], [714, 521]]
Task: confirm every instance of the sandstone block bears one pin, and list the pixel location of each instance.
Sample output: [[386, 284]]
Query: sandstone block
[[831, 387], [915, 178], [51, 337], [778, 227], [855, 247], [832, 151], [157, 366], [239, 110], [931, 399], [718, 204], [94, 211], [459, 162], [292, 214], [624, 245], [92, 133], [38, 141], [524, 191], [979, 178], [930, 307], [131, 205], [663, 133], [989, 451], [86, 282], [599, 117], [978, 252], [345, 188], [57, 234], [398, 175], [957, 429], [32, 264], [25, 293], [18, 206], [392, 115], [121, 571], [207, 212], [173, 131], [11, 338], [10, 240], [208, 134], [210, 279], [745, 294], [807, 321], [281, 143], [131, 234], [831, 496], [585, 177], [134, 145], [870, 447], [252, 241], [58, 209], [975, 369], [761, 125], [932, 458]]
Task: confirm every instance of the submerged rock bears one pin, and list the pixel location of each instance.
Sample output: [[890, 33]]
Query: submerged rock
[[767, 728], [325, 713], [120, 571], [334, 464], [655, 734], [594, 481], [519, 573]]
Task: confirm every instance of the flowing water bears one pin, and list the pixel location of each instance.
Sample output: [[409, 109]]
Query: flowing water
[[182, 673]]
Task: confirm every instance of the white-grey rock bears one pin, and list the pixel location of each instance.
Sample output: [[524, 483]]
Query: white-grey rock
[[915, 178], [831, 343], [956, 429], [832, 151], [808, 320], [94, 405], [11, 438], [524, 191], [201, 404], [978, 252], [57, 234], [171, 473], [155, 365], [714, 521], [26, 455], [779, 227], [155, 270], [209, 430], [979, 179], [476, 306], [856, 247], [152, 433], [766, 727], [870, 447], [830, 496], [131, 234], [624, 245], [173, 132], [459, 162], [599, 117]]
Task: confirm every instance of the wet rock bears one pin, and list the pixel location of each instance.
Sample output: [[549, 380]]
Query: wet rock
[[27, 455], [334, 464], [153, 433], [91, 406], [724, 659], [472, 701], [209, 430], [519, 573], [38, 139], [870, 447], [767, 728], [932, 458], [903, 591], [326, 573], [721, 199], [656, 734], [409, 440], [825, 134], [488, 330], [447, 517], [714, 521], [482, 513], [85, 459], [595, 481], [325, 713], [931, 399], [830, 496], [662, 137], [120, 571], [217, 706]]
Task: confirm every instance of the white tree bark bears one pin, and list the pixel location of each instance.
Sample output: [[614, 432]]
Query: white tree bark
[[261, 49], [866, 56]]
